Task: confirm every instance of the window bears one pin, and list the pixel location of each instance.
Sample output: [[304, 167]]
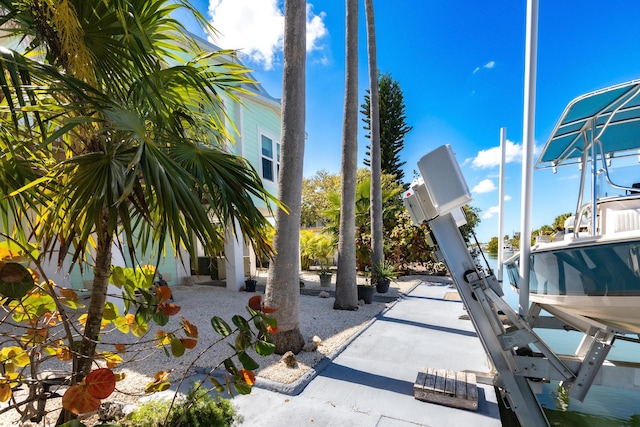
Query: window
[[270, 158]]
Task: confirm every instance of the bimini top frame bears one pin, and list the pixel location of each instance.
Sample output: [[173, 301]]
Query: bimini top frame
[[597, 126], [611, 116]]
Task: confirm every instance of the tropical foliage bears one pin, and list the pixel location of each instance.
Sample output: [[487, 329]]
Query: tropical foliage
[[408, 244], [317, 248], [314, 197], [43, 321], [393, 126], [199, 409], [113, 132], [544, 230], [471, 215], [391, 204]]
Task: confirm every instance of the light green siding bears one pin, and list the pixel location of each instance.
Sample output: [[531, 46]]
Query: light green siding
[[259, 119]]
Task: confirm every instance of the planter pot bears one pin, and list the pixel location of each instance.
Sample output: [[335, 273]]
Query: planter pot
[[250, 285], [325, 280], [382, 287], [365, 293]]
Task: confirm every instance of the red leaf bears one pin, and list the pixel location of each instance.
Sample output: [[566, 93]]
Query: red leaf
[[100, 383], [163, 293], [248, 376], [272, 329], [255, 303], [169, 309], [190, 329], [77, 401], [188, 342]]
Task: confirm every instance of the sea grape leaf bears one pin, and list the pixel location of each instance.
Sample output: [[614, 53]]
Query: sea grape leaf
[[100, 383], [247, 362], [220, 326]]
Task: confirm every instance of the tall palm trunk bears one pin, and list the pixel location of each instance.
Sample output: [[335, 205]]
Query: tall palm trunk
[[377, 252], [283, 284], [346, 291]]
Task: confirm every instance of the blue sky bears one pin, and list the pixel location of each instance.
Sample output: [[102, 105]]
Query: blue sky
[[460, 64]]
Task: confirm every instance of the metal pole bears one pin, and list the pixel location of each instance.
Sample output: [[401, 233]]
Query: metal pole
[[594, 179], [528, 144], [503, 149]]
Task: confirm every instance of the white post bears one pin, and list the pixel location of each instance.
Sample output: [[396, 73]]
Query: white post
[[183, 269], [503, 150], [234, 256], [527, 151]]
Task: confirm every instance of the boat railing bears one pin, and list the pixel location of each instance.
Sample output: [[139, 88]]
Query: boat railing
[[615, 214]]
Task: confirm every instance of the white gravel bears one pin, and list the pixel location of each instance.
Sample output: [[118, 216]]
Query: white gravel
[[200, 302]]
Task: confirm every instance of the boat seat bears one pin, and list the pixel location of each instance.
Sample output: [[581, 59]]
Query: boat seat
[[622, 220]]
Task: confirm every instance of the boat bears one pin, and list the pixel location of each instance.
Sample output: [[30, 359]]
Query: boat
[[590, 276]]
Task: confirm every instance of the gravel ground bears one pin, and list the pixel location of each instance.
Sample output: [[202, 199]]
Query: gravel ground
[[200, 302]]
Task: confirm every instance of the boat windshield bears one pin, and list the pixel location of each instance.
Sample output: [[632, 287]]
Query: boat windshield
[[625, 179]]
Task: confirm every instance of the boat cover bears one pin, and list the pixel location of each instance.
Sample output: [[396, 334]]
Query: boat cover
[[616, 114]]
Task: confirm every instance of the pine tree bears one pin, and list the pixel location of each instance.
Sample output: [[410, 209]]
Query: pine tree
[[393, 126]]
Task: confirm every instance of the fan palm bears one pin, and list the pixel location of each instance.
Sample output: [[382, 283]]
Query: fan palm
[[112, 125]]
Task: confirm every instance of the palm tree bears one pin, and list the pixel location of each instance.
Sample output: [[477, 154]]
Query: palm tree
[[283, 283], [377, 244], [346, 290], [390, 193], [108, 139]]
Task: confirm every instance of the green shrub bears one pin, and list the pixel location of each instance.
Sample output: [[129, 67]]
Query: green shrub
[[199, 409]]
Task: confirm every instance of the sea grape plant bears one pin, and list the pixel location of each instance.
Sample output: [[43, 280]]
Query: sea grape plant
[[41, 321]]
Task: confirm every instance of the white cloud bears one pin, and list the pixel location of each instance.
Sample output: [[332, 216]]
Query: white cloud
[[484, 186], [493, 210], [256, 27], [488, 65], [316, 29], [491, 157]]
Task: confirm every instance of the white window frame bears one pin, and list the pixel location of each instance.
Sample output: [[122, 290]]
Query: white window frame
[[275, 160]]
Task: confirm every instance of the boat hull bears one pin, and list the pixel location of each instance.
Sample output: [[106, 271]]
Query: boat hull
[[595, 278], [619, 313]]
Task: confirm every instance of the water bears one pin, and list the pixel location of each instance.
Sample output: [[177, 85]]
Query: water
[[603, 406]]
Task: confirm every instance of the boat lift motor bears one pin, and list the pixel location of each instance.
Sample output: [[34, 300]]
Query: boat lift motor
[[437, 200]]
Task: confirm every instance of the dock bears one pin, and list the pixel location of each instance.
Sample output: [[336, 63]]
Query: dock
[[371, 382]]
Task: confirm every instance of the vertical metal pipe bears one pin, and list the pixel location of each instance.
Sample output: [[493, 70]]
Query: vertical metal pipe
[[528, 142], [594, 178], [503, 150]]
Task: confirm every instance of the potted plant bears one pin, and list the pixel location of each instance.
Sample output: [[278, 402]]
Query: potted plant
[[250, 282], [366, 290], [322, 250], [325, 277], [383, 274]]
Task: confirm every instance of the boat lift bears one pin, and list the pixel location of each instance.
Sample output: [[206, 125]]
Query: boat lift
[[520, 358]]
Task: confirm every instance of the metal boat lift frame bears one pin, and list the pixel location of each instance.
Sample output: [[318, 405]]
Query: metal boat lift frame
[[508, 344]]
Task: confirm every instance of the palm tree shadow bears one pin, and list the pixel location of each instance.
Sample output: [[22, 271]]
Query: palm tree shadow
[[355, 376]]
